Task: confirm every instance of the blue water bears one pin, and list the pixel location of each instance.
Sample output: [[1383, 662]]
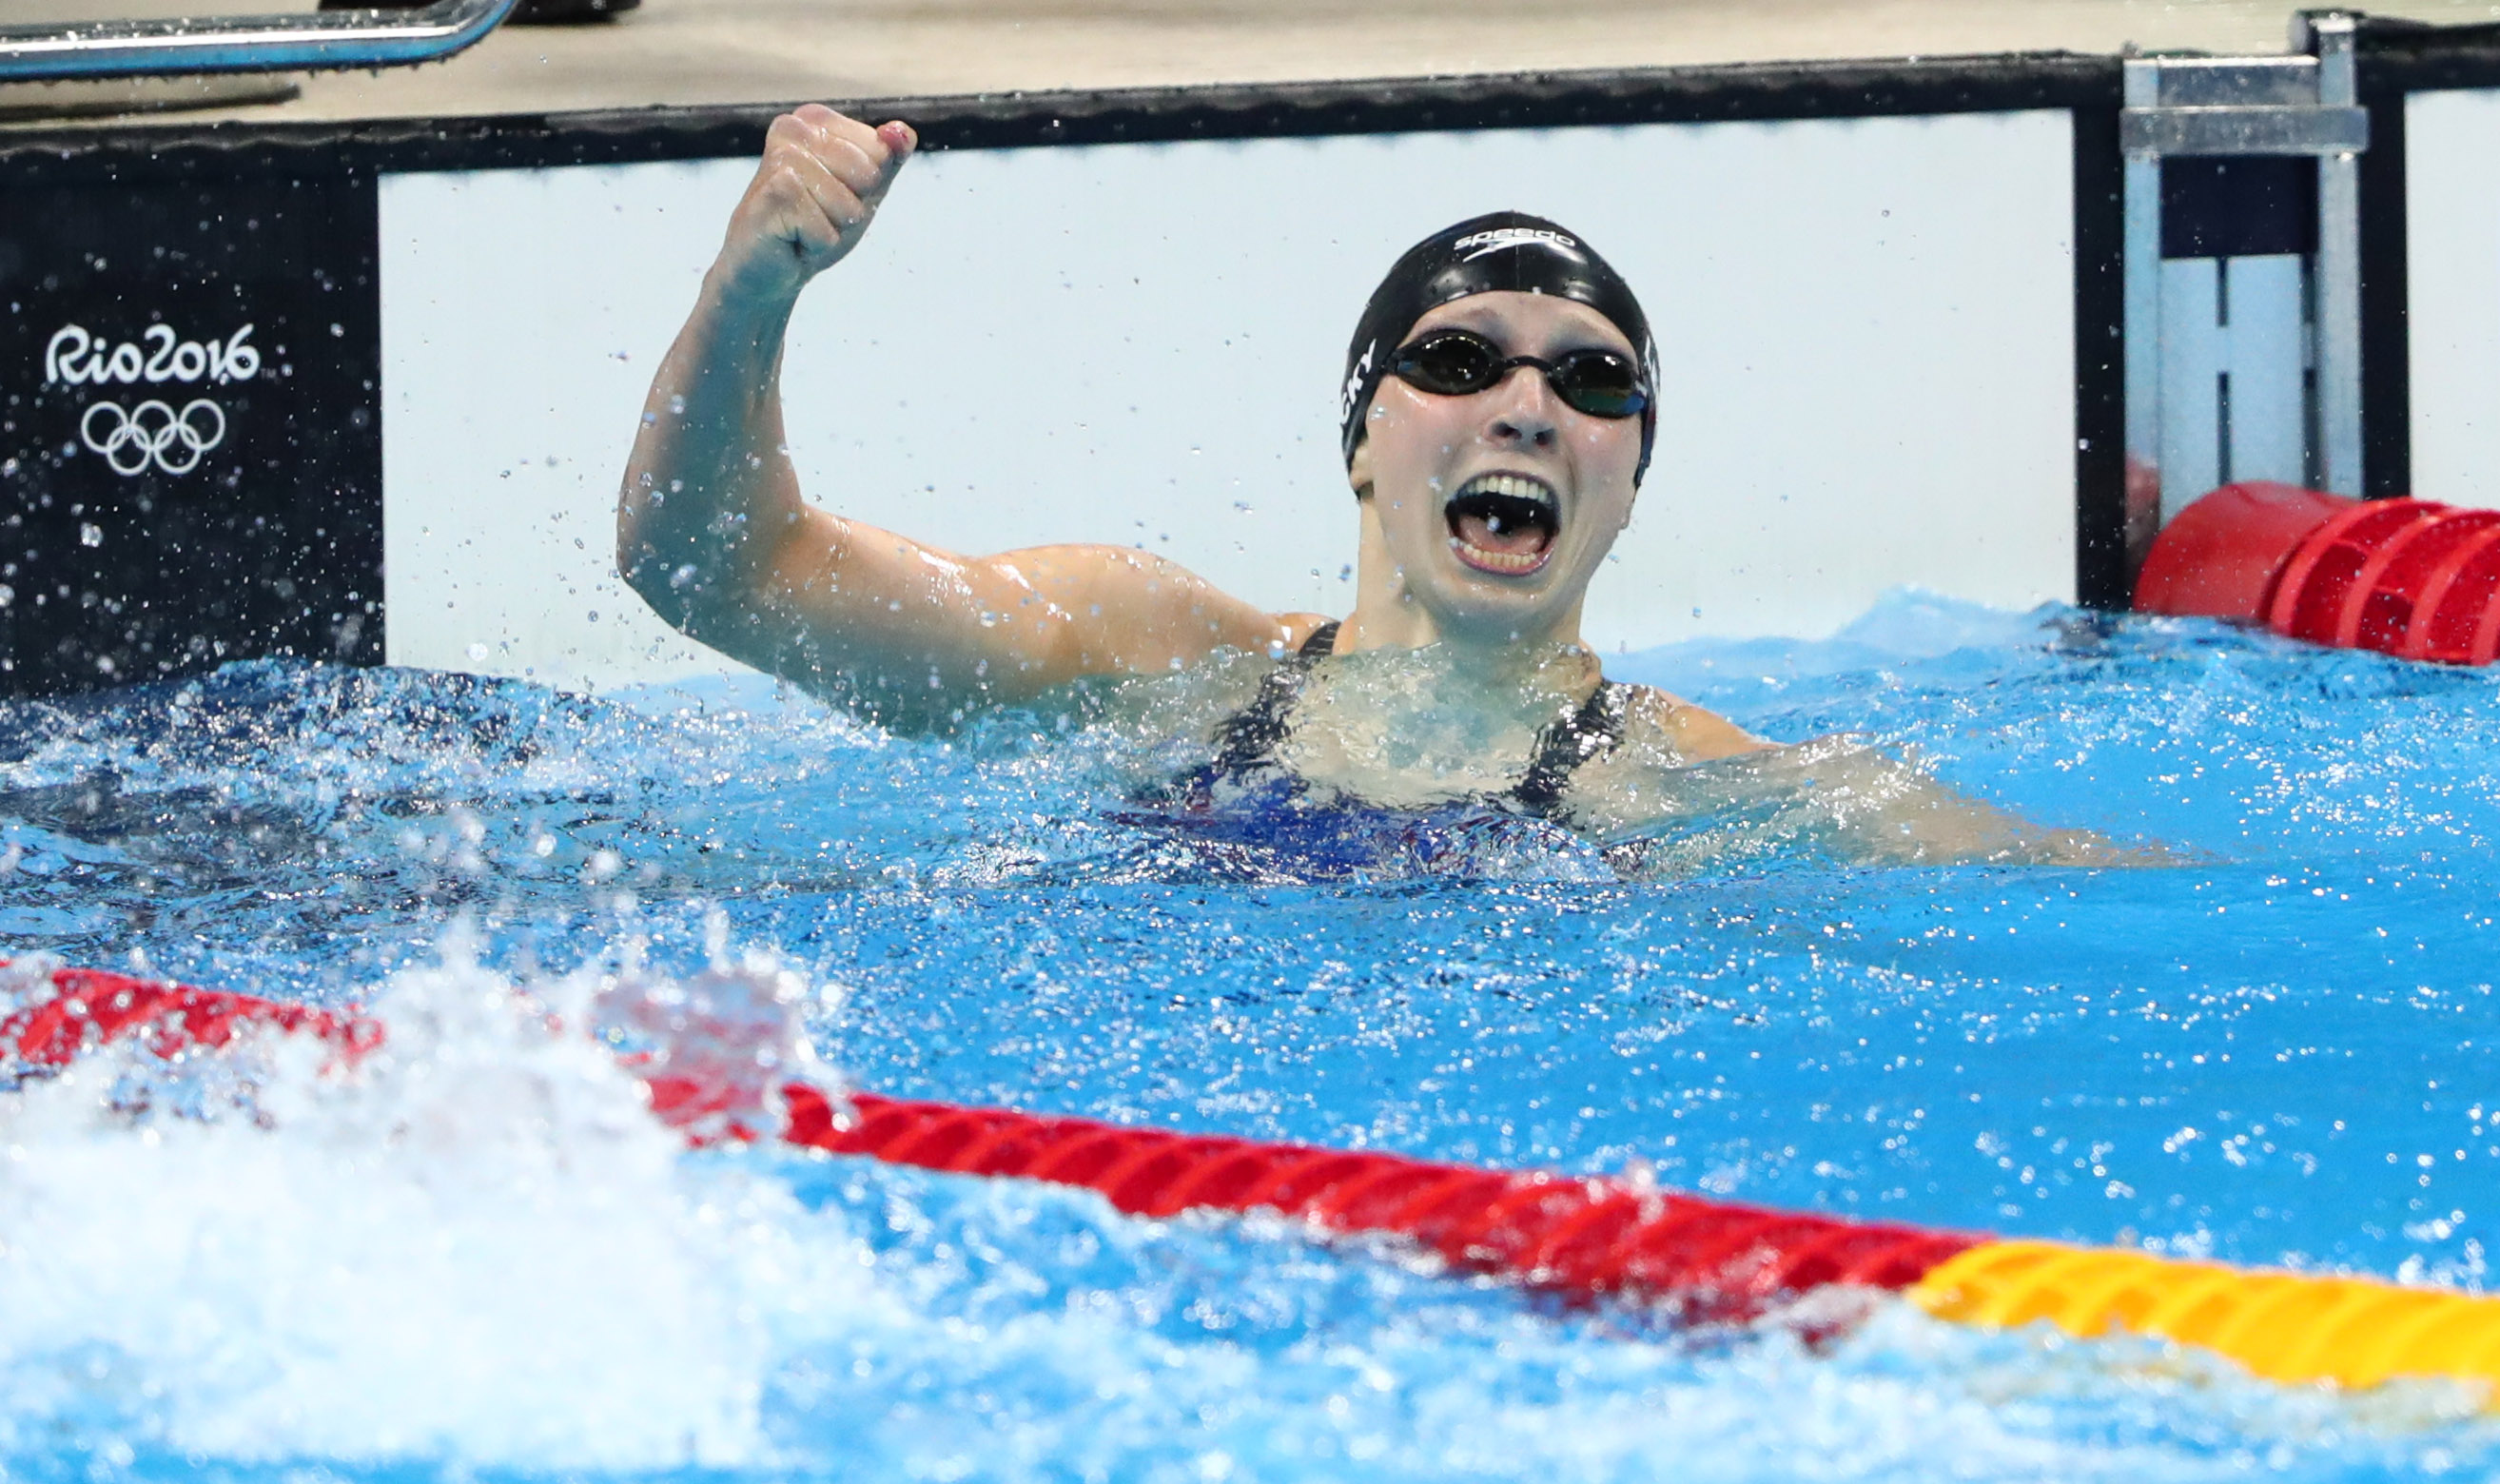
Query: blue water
[[2275, 1051]]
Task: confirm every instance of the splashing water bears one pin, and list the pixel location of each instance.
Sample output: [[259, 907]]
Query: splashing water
[[474, 1240], [480, 1250]]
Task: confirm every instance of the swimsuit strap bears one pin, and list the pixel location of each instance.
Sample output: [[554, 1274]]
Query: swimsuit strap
[[1248, 737], [1568, 741]]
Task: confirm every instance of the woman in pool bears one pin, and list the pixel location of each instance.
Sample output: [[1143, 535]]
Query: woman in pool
[[1497, 419]]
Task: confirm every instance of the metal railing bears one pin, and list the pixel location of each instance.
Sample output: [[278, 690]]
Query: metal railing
[[308, 41], [2301, 104]]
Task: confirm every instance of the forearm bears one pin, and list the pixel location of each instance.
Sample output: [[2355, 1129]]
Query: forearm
[[709, 487], [1887, 809]]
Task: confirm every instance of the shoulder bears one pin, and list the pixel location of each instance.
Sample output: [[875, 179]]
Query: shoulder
[[1692, 731], [1297, 628]]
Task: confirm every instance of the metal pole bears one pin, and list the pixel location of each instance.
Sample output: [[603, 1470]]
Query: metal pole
[[2338, 270], [312, 39], [2142, 271]]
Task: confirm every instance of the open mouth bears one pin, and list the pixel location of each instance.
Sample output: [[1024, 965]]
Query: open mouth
[[1503, 523]]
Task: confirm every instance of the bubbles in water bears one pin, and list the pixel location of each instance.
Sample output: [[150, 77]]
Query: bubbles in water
[[476, 1242], [493, 1252]]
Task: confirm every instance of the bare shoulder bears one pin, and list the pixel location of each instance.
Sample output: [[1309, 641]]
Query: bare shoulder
[[1298, 627], [1692, 732]]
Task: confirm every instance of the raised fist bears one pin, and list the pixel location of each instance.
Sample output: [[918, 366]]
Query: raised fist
[[822, 177]]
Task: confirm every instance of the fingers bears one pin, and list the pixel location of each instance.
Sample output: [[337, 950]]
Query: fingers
[[865, 159], [814, 194], [808, 177]]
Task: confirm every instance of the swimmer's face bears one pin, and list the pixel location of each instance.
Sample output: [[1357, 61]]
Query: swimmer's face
[[1498, 506]]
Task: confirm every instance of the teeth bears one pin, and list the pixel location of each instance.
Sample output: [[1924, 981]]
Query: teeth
[[1515, 485], [1509, 486], [1500, 561]]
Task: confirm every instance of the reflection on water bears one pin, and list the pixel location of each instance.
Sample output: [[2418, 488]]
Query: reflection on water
[[490, 1257]]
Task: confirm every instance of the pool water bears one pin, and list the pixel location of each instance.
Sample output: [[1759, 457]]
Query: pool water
[[483, 1258]]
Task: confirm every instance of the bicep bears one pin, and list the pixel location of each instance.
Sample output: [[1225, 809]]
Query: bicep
[[886, 609], [1100, 610], [1695, 733]]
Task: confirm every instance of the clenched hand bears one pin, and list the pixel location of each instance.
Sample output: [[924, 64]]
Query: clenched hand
[[812, 198]]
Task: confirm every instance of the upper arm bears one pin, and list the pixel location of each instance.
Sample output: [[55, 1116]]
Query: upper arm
[[1695, 733], [839, 601]]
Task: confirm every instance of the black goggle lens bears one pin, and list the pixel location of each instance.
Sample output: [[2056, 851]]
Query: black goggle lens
[[1455, 363], [1450, 365], [1600, 384]]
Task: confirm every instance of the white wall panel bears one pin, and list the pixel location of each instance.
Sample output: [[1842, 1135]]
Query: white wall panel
[[2234, 346], [2452, 285], [1867, 328]]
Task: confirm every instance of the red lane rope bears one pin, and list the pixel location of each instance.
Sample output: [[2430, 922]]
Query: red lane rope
[[89, 1006], [1583, 1238]]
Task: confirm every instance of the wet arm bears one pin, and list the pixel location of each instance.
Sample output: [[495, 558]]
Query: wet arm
[[714, 533], [1885, 807], [1892, 811]]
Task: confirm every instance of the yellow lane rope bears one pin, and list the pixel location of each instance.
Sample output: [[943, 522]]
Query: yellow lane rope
[[2282, 1326]]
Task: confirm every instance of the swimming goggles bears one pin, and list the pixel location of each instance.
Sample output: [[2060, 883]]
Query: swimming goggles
[[1459, 363]]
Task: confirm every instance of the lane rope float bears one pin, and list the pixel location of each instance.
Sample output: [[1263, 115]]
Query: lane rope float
[[1586, 1239], [1582, 1237], [2414, 579]]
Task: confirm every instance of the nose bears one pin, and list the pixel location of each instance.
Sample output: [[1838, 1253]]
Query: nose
[[1523, 410]]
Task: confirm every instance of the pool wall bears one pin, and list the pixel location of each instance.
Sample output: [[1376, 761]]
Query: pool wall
[[1887, 293]]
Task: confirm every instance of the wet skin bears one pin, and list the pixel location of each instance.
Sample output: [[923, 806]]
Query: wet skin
[[1421, 450], [714, 532]]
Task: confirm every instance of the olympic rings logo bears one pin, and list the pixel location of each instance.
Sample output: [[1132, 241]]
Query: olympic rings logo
[[154, 433]]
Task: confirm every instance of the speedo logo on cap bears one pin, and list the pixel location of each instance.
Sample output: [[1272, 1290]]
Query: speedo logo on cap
[[1497, 238]]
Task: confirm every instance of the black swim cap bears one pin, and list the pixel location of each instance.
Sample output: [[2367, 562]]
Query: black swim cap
[[1485, 254]]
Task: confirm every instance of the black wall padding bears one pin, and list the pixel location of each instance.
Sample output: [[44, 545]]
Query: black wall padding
[[190, 432], [2054, 79], [2104, 565]]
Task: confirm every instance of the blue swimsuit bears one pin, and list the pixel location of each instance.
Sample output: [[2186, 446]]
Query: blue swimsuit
[[1261, 828], [1246, 743]]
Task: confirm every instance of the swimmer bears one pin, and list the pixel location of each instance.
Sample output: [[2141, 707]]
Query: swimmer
[[1499, 411]]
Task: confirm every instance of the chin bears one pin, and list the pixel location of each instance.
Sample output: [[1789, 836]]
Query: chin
[[1480, 607]]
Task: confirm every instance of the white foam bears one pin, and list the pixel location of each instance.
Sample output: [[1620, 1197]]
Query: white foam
[[479, 1244]]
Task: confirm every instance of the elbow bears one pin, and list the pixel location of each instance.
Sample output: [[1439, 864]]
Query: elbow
[[639, 566], [636, 555], [689, 595], [665, 589], [647, 567]]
